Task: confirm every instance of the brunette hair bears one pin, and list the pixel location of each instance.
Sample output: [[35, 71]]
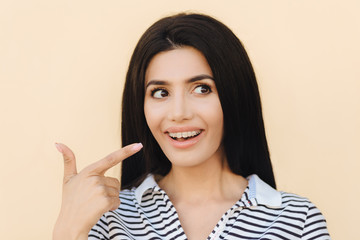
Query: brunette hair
[[244, 134]]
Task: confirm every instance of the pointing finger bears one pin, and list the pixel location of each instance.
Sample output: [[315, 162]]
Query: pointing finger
[[114, 158], [69, 161]]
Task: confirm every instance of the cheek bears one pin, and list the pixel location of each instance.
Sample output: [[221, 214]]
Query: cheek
[[152, 116], [148, 115], [215, 119], [213, 112], [219, 120]]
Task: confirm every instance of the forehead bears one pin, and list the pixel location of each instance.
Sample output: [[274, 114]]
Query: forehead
[[177, 64]]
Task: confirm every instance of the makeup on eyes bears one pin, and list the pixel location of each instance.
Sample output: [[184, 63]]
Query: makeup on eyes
[[161, 92], [161, 88]]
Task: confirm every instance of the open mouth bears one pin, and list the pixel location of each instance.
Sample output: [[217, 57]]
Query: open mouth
[[183, 136]]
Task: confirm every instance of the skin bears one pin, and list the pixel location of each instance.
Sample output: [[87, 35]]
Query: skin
[[200, 182], [185, 99], [87, 195]]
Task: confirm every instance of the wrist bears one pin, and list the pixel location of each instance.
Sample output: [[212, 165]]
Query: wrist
[[64, 231]]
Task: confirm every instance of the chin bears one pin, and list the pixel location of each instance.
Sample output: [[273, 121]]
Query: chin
[[184, 160]]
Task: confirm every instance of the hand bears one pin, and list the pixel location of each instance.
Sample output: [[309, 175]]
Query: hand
[[87, 195]]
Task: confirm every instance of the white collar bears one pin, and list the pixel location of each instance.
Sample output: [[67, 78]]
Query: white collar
[[263, 193], [148, 183], [258, 190]]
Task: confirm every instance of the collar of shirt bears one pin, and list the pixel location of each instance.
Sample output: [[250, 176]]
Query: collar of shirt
[[260, 193]]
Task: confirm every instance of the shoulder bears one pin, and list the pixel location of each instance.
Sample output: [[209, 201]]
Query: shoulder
[[313, 222], [265, 195], [289, 204], [291, 199], [284, 210], [298, 205]]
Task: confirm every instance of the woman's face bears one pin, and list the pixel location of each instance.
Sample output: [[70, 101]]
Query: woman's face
[[182, 107]]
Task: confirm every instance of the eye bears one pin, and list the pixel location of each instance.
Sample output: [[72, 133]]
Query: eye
[[159, 93], [203, 89]]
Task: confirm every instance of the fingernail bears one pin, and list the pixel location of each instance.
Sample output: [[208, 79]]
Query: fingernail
[[58, 147], [137, 147]]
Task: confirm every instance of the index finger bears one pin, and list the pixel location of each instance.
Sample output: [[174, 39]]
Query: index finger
[[101, 166]]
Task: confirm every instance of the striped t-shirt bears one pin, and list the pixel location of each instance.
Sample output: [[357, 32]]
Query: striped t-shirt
[[146, 212]]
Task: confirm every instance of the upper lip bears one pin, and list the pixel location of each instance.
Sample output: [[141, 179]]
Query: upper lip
[[182, 129]]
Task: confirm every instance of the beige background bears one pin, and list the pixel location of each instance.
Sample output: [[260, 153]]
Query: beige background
[[62, 67]]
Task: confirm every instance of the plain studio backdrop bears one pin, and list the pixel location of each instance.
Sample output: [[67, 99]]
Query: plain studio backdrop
[[62, 70]]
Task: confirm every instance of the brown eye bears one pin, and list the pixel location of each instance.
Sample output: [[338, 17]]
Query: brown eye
[[159, 93], [202, 89]]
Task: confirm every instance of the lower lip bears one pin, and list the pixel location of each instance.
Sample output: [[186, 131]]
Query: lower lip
[[185, 144]]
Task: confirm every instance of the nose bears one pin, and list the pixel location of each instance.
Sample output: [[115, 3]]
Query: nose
[[180, 108]]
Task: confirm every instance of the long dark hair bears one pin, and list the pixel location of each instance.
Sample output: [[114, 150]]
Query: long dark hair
[[244, 134]]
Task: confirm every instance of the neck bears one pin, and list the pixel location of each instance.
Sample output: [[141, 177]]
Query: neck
[[212, 180]]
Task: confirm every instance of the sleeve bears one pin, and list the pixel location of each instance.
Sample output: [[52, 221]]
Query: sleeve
[[100, 230], [315, 225]]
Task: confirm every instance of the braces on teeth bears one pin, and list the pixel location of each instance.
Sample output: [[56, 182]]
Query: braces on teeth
[[184, 134]]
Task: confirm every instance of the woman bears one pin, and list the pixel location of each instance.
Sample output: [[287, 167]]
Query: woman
[[204, 172]]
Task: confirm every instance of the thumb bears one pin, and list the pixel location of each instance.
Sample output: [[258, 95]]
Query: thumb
[[69, 161]]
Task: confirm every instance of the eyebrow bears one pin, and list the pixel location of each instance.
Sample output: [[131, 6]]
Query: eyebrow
[[191, 80]]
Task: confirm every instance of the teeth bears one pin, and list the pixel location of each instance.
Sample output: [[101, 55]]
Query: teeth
[[184, 134]]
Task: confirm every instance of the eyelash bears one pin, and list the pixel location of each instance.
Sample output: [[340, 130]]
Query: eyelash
[[155, 90], [208, 88]]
